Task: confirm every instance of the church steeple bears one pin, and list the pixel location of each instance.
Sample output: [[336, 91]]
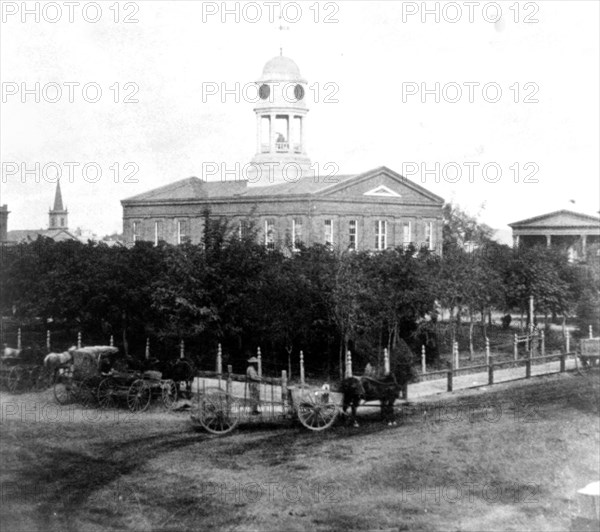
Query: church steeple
[[58, 216]]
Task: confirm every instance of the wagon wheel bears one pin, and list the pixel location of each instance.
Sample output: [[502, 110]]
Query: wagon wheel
[[315, 411], [168, 393], [219, 412], [83, 392], [14, 380], [106, 393], [63, 388], [138, 396]]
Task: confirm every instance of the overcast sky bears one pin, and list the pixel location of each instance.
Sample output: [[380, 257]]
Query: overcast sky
[[373, 54]]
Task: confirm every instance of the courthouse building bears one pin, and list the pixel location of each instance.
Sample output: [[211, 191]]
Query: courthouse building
[[281, 195]]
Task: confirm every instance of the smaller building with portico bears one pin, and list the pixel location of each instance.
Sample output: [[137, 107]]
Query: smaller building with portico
[[575, 232]]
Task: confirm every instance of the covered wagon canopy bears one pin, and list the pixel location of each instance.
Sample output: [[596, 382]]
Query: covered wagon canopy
[[86, 360]]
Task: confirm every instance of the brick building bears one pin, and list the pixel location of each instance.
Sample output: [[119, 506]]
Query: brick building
[[282, 196]]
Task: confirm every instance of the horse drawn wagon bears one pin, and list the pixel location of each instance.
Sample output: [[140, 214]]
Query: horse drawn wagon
[[23, 370], [95, 375], [221, 408]]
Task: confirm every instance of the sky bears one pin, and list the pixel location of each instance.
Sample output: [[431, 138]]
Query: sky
[[512, 88]]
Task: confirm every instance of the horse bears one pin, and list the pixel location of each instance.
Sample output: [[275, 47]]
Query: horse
[[386, 390], [54, 361], [10, 352]]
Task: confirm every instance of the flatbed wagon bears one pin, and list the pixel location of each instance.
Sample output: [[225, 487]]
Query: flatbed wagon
[[221, 408], [589, 353]]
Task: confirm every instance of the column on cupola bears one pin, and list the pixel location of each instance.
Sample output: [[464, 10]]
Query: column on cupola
[[258, 133]]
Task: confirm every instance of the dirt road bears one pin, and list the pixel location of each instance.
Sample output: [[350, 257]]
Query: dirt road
[[508, 459]]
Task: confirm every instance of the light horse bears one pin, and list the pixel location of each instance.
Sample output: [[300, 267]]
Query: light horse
[[54, 361], [385, 389], [10, 352]]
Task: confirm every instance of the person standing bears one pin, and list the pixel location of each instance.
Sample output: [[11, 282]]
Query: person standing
[[253, 380]]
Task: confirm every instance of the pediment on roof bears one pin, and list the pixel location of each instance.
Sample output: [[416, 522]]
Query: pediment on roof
[[559, 219], [381, 184]]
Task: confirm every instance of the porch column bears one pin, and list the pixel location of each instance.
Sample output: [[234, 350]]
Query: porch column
[[548, 240], [583, 245], [515, 241]]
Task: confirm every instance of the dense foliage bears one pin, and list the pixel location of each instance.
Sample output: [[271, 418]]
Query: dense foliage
[[235, 292]]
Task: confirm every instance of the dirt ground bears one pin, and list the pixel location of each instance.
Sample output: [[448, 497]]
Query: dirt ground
[[510, 457]]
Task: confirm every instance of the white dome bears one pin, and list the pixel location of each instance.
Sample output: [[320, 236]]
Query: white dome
[[281, 68]]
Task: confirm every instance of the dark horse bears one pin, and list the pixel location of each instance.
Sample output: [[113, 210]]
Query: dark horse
[[386, 390], [181, 371]]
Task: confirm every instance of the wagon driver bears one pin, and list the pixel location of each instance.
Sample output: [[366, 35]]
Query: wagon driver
[[253, 384]]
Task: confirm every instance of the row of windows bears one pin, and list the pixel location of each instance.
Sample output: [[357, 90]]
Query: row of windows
[[182, 231], [381, 231]]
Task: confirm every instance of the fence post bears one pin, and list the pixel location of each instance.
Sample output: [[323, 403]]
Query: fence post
[[456, 360], [491, 371], [259, 356], [516, 347], [423, 360], [78, 340], [219, 360], [532, 338], [591, 331], [568, 342], [111, 341], [147, 348], [228, 382], [348, 364], [543, 338], [405, 391], [450, 380], [563, 357], [19, 338], [528, 368], [487, 351], [386, 362], [284, 391], [48, 340], [301, 368]]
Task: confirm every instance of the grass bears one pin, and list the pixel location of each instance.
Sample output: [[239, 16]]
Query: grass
[[435, 471]]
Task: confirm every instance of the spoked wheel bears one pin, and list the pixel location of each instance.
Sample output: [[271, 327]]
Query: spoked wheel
[[315, 411], [219, 412], [106, 393], [138, 396], [168, 393], [14, 380], [63, 388], [83, 392]]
